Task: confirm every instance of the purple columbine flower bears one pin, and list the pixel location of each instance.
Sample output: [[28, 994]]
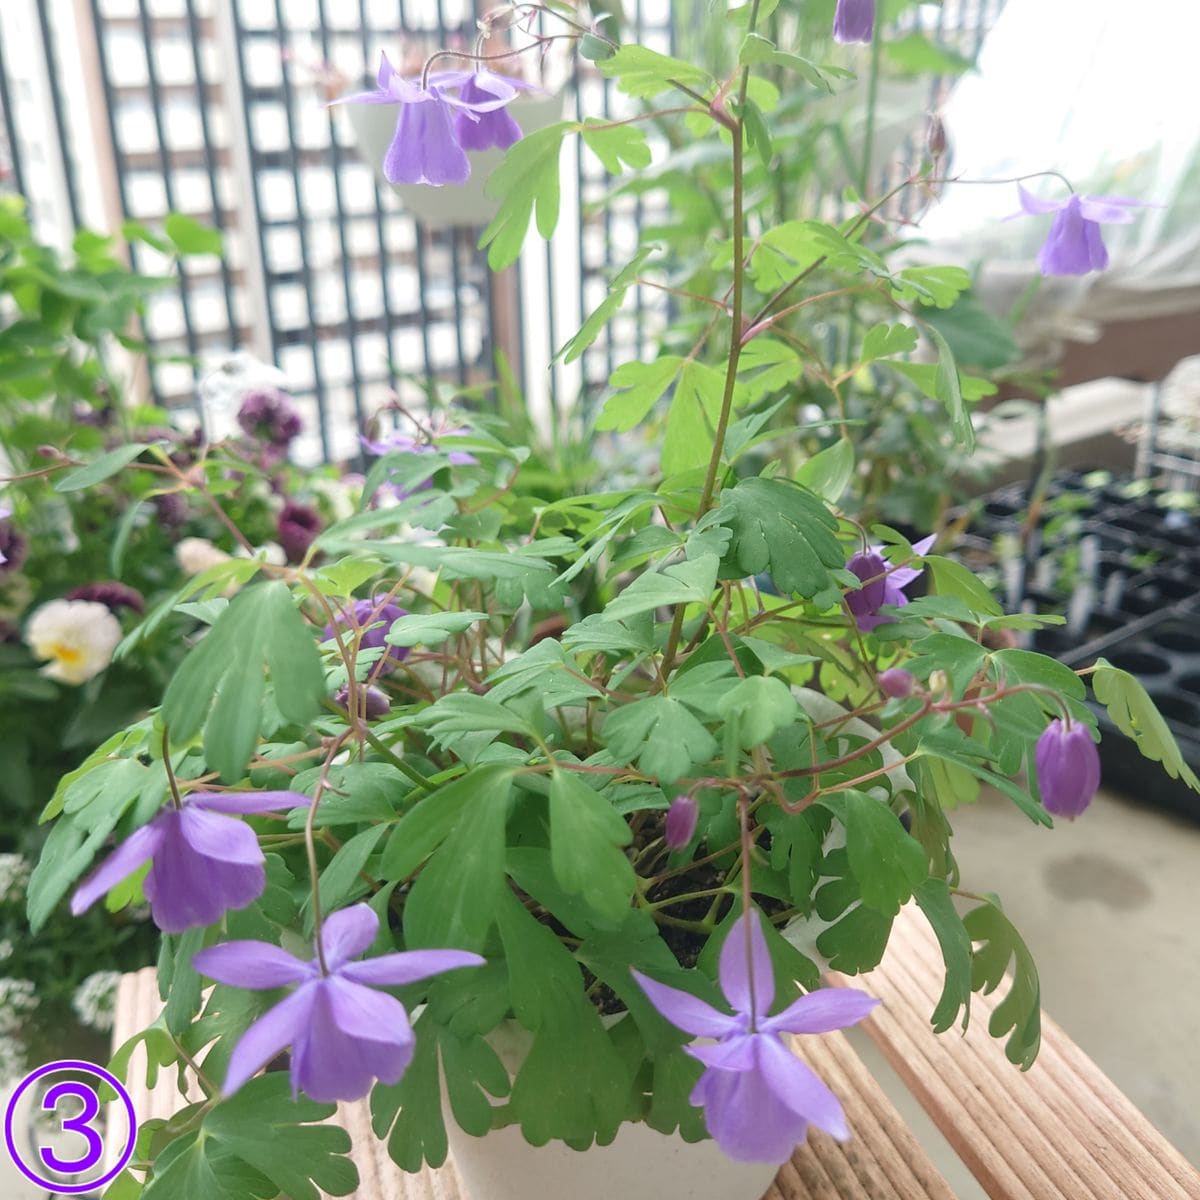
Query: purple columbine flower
[[426, 146], [297, 527], [882, 583], [495, 127], [1068, 768], [343, 1033], [854, 21], [758, 1097], [374, 618], [681, 822], [375, 702], [204, 862], [1074, 245], [268, 414], [113, 594]]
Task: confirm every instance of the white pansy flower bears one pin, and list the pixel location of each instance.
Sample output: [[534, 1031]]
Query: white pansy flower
[[195, 554], [77, 636], [95, 999]]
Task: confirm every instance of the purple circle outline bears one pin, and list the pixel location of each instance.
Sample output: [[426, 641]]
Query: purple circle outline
[[66, 1064]]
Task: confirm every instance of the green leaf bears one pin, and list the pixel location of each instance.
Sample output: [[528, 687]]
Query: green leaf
[[761, 705], [925, 377], [412, 1108], [1133, 712], [692, 418], [609, 306], [1019, 1014], [661, 734], [828, 473], [527, 180], [430, 629], [758, 132], [780, 527], [939, 286], [340, 879], [948, 389], [102, 468], [884, 858], [644, 73], [884, 340], [190, 237], [690, 582], [453, 902], [543, 668], [640, 385], [586, 836], [933, 896], [615, 145], [915, 54], [473, 1071], [951, 578]]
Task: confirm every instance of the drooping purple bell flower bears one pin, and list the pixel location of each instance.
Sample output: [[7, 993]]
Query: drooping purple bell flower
[[854, 21], [896, 683], [1074, 245], [496, 127], [882, 584], [1068, 768], [344, 1034], [203, 862], [681, 822], [297, 527], [758, 1097], [375, 702], [374, 618]]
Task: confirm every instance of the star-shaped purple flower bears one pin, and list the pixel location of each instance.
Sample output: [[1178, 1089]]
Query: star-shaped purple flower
[[343, 1033], [427, 147], [1074, 245], [882, 583], [758, 1097], [204, 863]]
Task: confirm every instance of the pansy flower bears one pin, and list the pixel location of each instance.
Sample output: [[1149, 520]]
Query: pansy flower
[[344, 1034], [758, 1097], [203, 861]]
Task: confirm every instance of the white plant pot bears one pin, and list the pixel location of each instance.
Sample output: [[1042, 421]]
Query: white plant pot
[[640, 1163], [454, 205]]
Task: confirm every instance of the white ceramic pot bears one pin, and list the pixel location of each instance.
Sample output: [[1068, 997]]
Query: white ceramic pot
[[374, 126], [639, 1164]]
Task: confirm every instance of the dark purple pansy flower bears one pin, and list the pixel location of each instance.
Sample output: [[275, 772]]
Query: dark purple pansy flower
[[375, 702], [758, 1097], [297, 527], [882, 583], [681, 822], [204, 862], [344, 1034], [854, 21], [113, 594], [1068, 768], [374, 618], [171, 510], [1074, 245], [268, 414]]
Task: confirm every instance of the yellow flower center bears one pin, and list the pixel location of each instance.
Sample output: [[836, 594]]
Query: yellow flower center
[[68, 655]]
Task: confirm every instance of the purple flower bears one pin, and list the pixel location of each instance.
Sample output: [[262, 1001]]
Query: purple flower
[[1068, 768], [1074, 245], [758, 1097], [681, 822], [496, 127], [896, 682], [426, 146], [375, 702], [854, 21], [269, 414], [343, 1033], [373, 619], [404, 443], [13, 547], [297, 527], [111, 593], [882, 583], [204, 863]]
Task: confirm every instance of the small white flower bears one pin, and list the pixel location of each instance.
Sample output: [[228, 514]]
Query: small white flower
[[196, 554], [77, 636], [17, 997], [14, 875], [95, 999], [12, 1060], [269, 552], [6, 949]]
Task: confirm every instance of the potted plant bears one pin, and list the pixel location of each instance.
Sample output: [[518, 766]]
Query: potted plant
[[532, 805]]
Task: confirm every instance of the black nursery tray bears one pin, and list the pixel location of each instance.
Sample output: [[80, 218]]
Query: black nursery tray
[[1123, 568]]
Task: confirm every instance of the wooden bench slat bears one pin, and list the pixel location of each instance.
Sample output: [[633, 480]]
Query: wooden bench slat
[[1063, 1130]]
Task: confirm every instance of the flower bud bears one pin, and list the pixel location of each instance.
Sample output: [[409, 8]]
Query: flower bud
[[1068, 768], [935, 137], [896, 683], [939, 683], [681, 822]]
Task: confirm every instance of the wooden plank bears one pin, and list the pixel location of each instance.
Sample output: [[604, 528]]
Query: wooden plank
[[1062, 1131], [882, 1160]]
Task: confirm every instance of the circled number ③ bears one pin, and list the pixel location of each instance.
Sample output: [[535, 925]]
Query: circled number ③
[[85, 1125]]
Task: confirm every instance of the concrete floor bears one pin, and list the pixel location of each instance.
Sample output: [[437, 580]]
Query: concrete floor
[[1110, 907]]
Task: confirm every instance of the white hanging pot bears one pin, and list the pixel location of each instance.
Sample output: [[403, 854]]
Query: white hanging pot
[[445, 207], [639, 1164]]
